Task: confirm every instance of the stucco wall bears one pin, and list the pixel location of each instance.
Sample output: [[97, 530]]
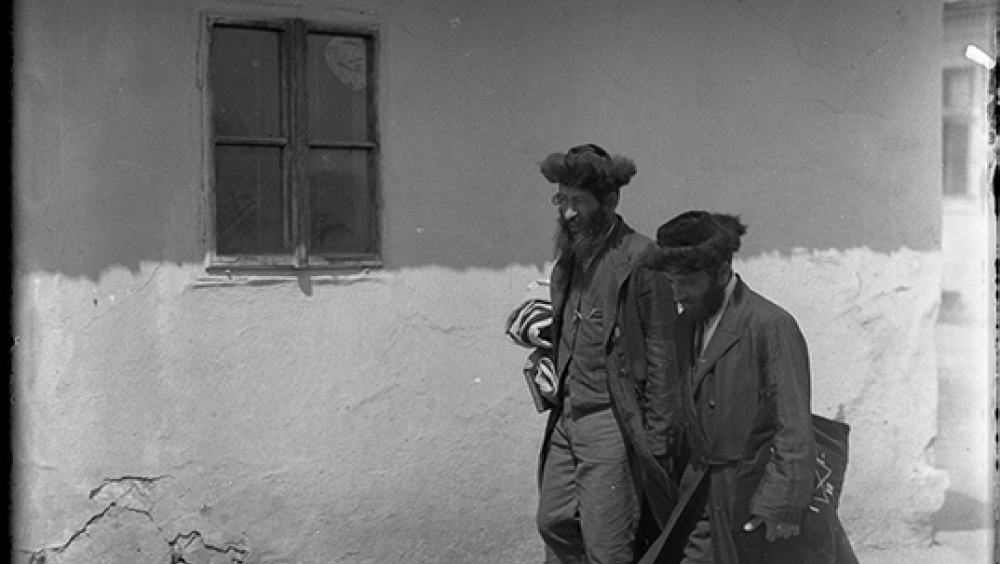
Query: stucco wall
[[381, 416]]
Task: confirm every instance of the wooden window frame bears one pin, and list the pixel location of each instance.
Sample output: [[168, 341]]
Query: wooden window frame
[[296, 145]]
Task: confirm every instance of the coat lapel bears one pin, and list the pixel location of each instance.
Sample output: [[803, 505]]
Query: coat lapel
[[559, 280], [559, 283], [621, 264], [726, 335], [619, 258]]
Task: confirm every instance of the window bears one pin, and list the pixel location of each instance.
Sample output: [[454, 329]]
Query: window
[[959, 88], [294, 144], [959, 99], [955, 162]]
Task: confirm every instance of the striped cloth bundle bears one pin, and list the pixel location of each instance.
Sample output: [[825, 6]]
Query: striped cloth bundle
[[529, 325], [540, 375], [543, 371]]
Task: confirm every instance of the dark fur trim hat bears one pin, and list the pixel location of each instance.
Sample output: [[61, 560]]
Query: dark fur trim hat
[[588, 167], [695, 240]]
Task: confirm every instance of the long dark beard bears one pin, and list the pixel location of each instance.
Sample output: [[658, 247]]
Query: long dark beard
[[710, 303], [585, 243]]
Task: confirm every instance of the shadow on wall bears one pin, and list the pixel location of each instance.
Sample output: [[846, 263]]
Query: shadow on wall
[[961, 512]]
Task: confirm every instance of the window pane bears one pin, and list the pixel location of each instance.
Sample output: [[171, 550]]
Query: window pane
[[958, 88], [249, 204], [955, 145], [338, 84], [245, 82], [342, 206]]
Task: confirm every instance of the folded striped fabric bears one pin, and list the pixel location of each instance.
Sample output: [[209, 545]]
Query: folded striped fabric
[[530, 324], [540, 374], [543, 370]]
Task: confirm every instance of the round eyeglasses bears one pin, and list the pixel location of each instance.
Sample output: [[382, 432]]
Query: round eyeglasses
[[563, 201]]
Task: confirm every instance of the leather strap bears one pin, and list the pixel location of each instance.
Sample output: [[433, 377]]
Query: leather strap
[[654, 549]]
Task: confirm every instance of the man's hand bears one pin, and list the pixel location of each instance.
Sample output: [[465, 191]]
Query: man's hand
[[775, 529]]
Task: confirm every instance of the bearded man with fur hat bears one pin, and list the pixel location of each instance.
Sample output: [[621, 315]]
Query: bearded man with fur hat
[[749, 488], [615, 418]]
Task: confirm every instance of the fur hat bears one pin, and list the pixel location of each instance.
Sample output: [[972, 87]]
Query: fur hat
[[588, 167], [695, 240]]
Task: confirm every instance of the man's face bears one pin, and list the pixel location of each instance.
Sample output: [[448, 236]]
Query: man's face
[[579, 210], [700, 292], [583, 221]]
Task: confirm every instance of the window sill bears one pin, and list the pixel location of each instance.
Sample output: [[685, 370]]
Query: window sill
[[219, 275]]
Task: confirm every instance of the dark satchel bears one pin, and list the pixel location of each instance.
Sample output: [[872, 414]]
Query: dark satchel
[[822, 539], [831, 439]]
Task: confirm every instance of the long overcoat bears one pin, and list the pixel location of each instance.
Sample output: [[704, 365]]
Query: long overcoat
[[749, 427], [643, 381]]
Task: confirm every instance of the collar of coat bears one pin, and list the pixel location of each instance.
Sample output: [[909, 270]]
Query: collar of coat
[[623, 251], [726, 334]]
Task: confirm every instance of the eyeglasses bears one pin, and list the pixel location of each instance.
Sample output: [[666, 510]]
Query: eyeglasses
[[563, 201]]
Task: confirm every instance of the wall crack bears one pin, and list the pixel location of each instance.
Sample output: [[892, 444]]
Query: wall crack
[[136, 495]]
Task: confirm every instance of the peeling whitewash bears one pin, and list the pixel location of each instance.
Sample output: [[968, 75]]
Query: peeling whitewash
[[389, 403]]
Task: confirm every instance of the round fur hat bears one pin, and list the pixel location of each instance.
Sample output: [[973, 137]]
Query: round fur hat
[[588, 167], [695, 240]]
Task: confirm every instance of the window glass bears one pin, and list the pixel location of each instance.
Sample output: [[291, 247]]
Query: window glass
[[249, 205], [245, 82], [341, 205], [338, 88], [294, 146], [958, 88], [955, 146]]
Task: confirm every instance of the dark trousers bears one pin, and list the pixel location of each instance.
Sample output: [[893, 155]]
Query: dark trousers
[[588, 509], [698, 549]]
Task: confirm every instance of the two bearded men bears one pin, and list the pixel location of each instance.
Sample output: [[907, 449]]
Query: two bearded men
[[686, 432]]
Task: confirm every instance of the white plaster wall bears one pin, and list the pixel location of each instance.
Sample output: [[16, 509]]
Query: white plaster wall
[[869, 321], [380, 418], [383, 415]]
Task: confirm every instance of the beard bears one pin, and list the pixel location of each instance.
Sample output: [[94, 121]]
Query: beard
[[709, 303], [583, 236]]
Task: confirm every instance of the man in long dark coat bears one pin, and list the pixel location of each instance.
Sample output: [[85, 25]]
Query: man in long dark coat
[[615, 416], [746, 391]]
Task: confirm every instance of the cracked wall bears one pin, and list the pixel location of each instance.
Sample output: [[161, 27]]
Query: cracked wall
[[127, 530], [167, 416], [393, 432]]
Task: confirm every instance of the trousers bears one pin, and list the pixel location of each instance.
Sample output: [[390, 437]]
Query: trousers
[[588, 509], [698, 549]]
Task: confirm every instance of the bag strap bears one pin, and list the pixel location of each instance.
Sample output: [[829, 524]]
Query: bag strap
[[653, 552]]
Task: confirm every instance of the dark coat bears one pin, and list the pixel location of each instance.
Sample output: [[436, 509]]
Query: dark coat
[[642, 373], [749, 425]]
